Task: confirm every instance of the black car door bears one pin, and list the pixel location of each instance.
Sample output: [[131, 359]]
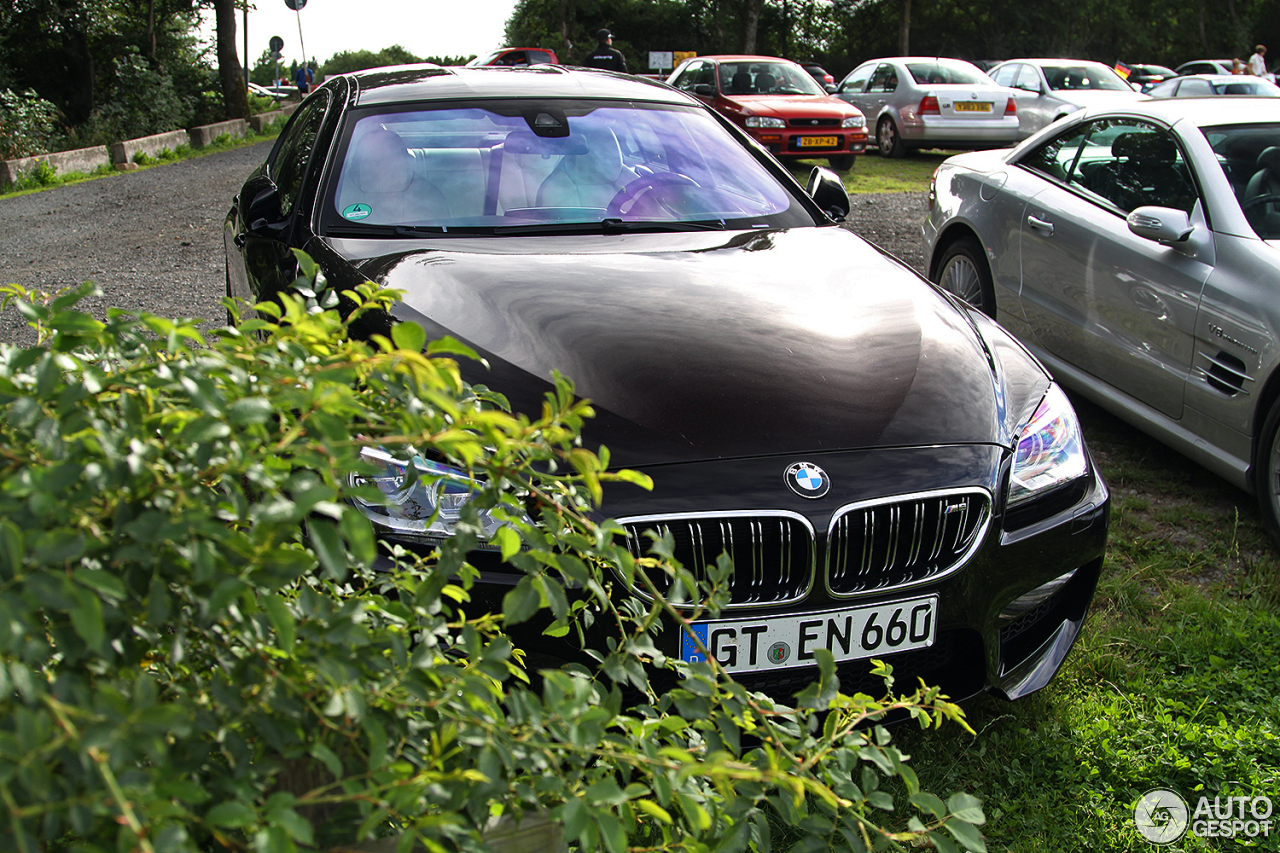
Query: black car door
[[266, 220]]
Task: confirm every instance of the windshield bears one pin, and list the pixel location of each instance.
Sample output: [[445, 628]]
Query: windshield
[[1070, 77], [486, 169], [958, 73], [1250, 158], [766, 78]]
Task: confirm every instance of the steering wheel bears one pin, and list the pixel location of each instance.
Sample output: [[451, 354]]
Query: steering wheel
[[1259, 199], [643, 196]]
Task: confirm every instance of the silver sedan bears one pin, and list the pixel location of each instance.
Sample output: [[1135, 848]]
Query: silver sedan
[[1049, 89], [1208, 85], [926, 102], [1136, 251]]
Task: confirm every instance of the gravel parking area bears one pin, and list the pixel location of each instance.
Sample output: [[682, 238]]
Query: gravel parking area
[[152, 239]]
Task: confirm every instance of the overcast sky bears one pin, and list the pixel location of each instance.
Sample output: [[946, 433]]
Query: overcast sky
[[423, 27]]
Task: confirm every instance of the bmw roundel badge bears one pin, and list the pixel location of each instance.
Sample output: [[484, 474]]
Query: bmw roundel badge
[[807, 480]]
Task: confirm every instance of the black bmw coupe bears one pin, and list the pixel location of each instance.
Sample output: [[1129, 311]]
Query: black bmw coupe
[[893, 475]]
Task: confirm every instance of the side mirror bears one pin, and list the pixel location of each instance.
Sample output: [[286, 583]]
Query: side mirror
[[261, 200], [704, 89], [1162, 224], [830, 87], [826, 188]]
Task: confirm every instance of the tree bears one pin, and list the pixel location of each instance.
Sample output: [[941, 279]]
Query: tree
[[235, 98]]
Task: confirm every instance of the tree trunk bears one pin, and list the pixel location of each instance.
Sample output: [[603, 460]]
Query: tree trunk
[[904, 30], [750, 25], [235, 98]]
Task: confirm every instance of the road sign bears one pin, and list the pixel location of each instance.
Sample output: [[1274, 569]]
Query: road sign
[[295, 5], [660, 60], [276, 43]]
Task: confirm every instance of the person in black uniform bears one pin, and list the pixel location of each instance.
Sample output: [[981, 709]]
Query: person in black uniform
[[606, 56]]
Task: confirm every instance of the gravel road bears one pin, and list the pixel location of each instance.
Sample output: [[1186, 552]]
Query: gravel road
[[152, 239]]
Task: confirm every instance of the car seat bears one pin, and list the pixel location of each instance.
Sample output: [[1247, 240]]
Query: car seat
[[1264, 216], [740, 84], [385, 177], [590, 179], [765, 82], [1146, 172]]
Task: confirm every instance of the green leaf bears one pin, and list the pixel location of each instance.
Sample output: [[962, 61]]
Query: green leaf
[[327, 544], [930, 804], [282, 620], [967, 807], [968, 835], [612, 832], [521, 602], [232, 814], [508, 540], [104, 583], [86, 617], [944, 844], [409, 336]]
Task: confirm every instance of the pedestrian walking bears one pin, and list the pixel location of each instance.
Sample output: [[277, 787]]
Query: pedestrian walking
[[1258, 62]]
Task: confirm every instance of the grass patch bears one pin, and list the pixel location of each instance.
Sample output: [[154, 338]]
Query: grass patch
[[1172, 684], [872, 173]]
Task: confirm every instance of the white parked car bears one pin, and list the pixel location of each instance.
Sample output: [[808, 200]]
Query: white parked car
[[1049, 89]]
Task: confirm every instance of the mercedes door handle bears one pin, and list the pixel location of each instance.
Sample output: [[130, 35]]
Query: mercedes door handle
[[1040, 224]]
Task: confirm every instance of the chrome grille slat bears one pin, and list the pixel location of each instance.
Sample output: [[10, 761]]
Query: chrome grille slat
[[774, 555], [905, 540]]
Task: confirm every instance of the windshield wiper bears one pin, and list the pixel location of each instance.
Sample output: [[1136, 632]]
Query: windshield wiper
[[355, 230], [609, 226]]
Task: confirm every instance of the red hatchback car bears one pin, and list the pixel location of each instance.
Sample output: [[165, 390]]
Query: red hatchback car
[[778, 103]]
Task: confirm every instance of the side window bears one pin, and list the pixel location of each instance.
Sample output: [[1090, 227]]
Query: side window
[[1124, 162], [857, 81], [1028, 78], [1194, 88], [1058, 157], [884, 80], [1006, 74], [293, 152], [706, 73]]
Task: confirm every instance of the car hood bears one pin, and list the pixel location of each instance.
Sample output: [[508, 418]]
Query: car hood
[[705, 346], [818, 106]]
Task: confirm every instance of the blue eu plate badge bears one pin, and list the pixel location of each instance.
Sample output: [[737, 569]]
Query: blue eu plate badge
[[689, 648]]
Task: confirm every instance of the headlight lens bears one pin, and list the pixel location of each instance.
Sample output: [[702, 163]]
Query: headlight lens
[[1050, 451], [429, 507], [854, 121], [765, 121]]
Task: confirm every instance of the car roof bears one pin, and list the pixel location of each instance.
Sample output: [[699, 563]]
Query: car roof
[[905, 59], [745, 57], [1055, 61], [427, 82], [1200, 112]]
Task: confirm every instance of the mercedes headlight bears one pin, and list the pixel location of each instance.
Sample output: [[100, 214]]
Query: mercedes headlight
[[854, 121], [765, 121], [424, 504], [1050, 451]]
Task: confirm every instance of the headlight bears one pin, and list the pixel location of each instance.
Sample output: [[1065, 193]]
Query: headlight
[[765, 121], [854, 121], [1050, 451], [429, 507]]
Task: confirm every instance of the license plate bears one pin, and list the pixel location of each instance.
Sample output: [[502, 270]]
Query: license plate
[[819, 141], [782, 642], [972, 106]]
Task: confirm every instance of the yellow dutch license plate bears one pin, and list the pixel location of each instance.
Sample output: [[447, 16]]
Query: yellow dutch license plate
[[819, 141], [973, 106]]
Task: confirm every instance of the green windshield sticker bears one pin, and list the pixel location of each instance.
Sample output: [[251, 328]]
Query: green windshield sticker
[[357, 211]]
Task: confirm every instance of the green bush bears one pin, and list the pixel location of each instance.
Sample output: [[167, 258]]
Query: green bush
[[27, 125], [139, 101], [197, 653]]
